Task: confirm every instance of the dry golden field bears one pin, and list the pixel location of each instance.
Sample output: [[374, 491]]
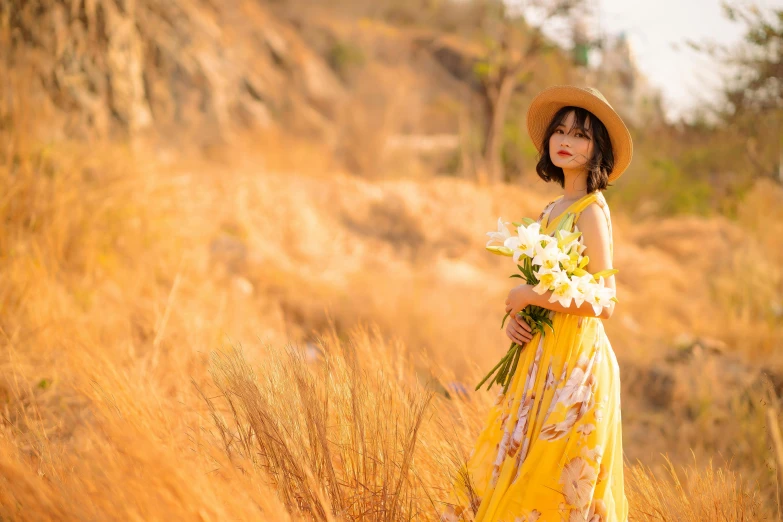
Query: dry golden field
[[226, 340], [253, 334]]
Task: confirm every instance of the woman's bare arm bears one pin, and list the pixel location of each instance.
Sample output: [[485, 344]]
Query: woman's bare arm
[[596, 238]]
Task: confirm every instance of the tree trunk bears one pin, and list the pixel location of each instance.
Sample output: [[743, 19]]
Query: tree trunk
[[497, 107]]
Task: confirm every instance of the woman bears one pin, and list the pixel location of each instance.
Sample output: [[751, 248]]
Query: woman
[[551, 448]]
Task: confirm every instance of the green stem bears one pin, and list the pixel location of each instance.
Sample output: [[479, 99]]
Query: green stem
[[504, 367], [513, 369], [492, 371]]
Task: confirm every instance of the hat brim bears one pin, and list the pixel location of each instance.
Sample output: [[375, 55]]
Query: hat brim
[[546, 104]]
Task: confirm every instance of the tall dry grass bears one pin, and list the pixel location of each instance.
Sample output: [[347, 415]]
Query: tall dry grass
[[698, 493], [356, 439], [127, 283]]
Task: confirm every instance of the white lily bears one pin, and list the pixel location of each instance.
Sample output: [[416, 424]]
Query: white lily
[[585, 288], [564, 290], [572, 263], [546, 279], [548, 255], [501, 235], [601, 295], [524, 243]]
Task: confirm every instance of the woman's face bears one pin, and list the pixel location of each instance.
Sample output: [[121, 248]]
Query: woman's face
[[570, 147]]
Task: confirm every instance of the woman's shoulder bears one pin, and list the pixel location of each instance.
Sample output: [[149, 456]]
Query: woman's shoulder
[[596, 214]]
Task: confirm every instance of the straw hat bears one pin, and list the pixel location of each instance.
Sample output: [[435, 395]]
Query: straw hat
[[549, 101]]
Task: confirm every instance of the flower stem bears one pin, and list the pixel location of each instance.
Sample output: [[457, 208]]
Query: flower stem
[[504, 367], [513, 368], [493, 369]]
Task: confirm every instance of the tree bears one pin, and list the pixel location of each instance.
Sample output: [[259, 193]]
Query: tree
[[753, 91], [513, 49], [758, 85]]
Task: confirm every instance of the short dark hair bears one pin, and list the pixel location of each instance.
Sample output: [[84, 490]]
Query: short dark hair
[[598, 167]]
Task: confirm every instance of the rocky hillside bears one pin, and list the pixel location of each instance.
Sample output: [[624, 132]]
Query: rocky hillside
[[199, 72], [135, 66]]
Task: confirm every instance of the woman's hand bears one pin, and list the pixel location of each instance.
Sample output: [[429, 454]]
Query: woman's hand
[[518, 330], [518, 298]]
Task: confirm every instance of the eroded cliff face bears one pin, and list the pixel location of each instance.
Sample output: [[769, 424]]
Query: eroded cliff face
[[200, 70], [129, 66]]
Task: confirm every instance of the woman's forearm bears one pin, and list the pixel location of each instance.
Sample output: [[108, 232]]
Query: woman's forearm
[[585, 309]]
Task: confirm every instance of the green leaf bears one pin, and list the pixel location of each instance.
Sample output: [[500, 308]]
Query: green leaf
[[504, 320], [483, 70]]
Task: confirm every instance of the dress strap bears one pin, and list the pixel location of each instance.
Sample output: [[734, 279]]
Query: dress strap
[[575, 208], [582, 204]]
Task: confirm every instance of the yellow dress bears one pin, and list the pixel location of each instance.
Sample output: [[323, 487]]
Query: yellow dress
[[551, 448]]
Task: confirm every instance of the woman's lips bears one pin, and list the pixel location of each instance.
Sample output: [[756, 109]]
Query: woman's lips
[[564, 153]]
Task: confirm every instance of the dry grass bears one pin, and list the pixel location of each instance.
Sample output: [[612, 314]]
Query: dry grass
[[120, 275], [338, 440], [702, 494]]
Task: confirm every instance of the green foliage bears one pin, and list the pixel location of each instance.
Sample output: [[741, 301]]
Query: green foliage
[[345, 56], [484, 69], [580, 54], [708, 163], [757, 62], [682, 189], [662, 185]]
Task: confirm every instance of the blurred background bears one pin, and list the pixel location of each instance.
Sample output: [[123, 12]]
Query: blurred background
[[242, 265]]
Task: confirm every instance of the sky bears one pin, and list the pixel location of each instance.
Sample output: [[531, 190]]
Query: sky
[[654, 27]]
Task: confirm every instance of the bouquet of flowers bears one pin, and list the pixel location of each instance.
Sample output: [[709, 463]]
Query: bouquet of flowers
[[548, 263]]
